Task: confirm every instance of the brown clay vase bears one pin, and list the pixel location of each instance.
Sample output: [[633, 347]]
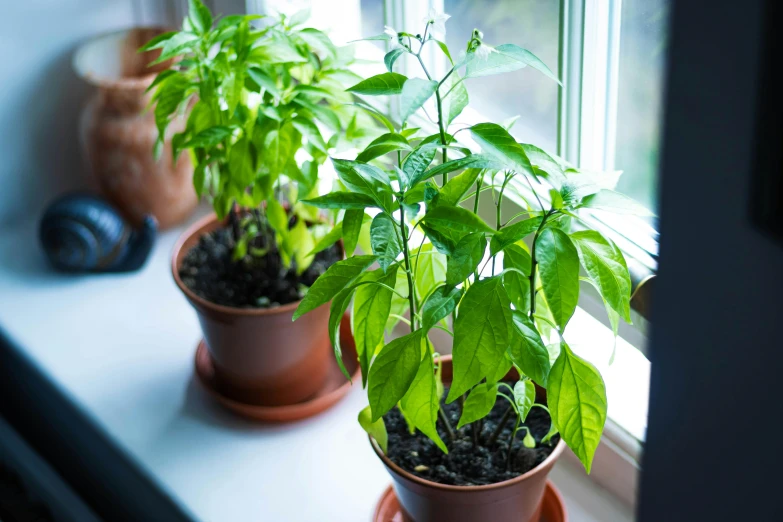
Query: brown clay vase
[[260, 355], [117, 131], [515, 500]]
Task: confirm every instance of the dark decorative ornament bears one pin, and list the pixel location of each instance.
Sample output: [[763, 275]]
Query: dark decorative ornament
[[83, 233]]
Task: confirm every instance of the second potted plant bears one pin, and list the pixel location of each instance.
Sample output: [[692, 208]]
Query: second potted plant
[[472, 436], [261, 99]]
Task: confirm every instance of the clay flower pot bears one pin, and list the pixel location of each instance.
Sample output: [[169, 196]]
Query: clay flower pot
[[260, 356], [515, 500], [118, 132]]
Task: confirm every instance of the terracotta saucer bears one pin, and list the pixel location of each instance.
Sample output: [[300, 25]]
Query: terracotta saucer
[[335, 387], [552, 506]]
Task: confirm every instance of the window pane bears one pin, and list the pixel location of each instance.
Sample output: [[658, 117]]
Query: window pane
[[532, 24], [372, 20], [643, 36]]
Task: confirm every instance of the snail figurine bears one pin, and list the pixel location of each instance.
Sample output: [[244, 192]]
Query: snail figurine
[[83, 233]]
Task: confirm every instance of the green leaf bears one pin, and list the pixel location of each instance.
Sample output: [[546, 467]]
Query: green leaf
[[386, 83], [501, 370], [179, 43], [277, 216], [371, 309], [439, 305], [456, 218], [517, 286], [474, 161], [158, 42], [345, 200], [393, 371], [375, 429], [577, 402], [445, 240], [543, 161], [209, 138], [318, 40], [498, 144], [415, 93], [352, 225], [375, 114], [605, 265], [309, 130], [558, 265], [417, 161], [451, 193], [240, 164], [430, 269], [456, 98], [299, 17], [524, 397], [506, 58], [337, 310], [392, 57], [199, 16], [278, 149], [479, 403], [481, 334], [513, 233], [337, 277], [527, 350], [365, 179], [383, 145], [384, 240], [275, 51], [329, 239], [612, 201], [467, 255], [420, 404]]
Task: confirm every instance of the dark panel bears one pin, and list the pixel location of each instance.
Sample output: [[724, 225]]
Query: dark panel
[[715, 400], [100, 473]]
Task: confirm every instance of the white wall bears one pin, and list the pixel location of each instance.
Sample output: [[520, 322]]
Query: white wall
[[40, 96]]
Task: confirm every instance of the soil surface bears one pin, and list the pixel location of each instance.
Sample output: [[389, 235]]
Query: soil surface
[[466, 464], [252, 282]]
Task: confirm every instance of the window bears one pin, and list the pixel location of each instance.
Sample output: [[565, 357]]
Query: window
[[532, 24], [640, 97], [610, 55]]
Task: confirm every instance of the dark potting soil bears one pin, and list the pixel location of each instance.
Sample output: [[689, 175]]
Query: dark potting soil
[[252, 282], [466, 464]]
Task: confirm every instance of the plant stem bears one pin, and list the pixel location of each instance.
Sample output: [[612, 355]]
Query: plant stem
[[533, 266], [511, 442], [495, 434], [446, 423], [406, 255], [474, 430], [234, 221], [439, 103]]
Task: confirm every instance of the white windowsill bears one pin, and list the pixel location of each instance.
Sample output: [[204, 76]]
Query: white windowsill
[[121, 348]]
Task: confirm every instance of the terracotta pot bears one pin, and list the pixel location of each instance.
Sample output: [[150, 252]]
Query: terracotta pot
[[118, 132], [515, 500], [260, 355]]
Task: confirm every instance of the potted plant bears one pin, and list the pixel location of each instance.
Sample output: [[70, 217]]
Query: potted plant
[[263, 102], [471, 436]]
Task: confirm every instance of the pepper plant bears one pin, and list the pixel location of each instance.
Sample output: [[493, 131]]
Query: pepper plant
[[434, 255], [262, 102]]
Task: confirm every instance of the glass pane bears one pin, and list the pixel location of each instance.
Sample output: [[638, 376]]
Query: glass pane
[[532, 24], [643, 37], [372, 20]]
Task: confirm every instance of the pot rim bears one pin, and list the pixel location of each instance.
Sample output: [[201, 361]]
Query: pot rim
[[559, 448], [135, 82], [198, 228]]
